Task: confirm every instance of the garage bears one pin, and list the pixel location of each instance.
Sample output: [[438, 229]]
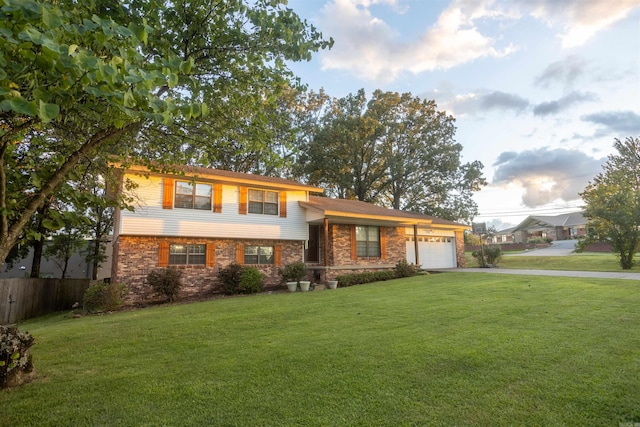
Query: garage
[[434, 251]]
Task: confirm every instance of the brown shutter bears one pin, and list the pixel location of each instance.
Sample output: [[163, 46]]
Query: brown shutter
[[242, 206], [240, 254], [217, 198], [163, 254], [211, 255], [277, 255], [283, 204], [167, 194], [354, 246], [383, 243]]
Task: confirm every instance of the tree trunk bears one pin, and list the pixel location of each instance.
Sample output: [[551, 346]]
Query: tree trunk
[[38, 245]]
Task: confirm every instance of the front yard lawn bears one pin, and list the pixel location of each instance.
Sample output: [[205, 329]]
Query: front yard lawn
[[443, 349], [578, 262]]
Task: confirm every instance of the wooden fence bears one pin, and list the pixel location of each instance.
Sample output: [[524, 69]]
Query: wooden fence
[[22, 299]]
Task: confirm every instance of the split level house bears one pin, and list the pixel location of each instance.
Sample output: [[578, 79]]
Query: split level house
[[201, 220]]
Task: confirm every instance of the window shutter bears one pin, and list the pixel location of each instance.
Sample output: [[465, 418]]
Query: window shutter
[[354, 246], [167, 194], [217, 198], [211, 255], [383, 243], [163, 254], [242, 206], [283, 204], [277, 255], [240, 254]]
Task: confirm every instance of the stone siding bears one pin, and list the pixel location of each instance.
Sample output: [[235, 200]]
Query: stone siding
[[138, 256]]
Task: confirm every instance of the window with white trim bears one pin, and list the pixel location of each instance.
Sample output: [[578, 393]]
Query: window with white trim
[[191, 195], [368, 241], [263, 202], [258, 255], [187, 254]]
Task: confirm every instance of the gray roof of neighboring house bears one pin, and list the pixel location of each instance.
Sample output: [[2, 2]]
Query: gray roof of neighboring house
[[563, 220]]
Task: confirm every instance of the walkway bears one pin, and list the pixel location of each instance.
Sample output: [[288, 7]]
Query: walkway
[[557, 273]]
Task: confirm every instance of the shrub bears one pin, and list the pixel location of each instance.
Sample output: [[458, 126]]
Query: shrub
[[103, 297], [252, 280], [166, 282], [15, 358], [492, 255], [293, 272], [404, 269], [231, 276], [366, 277]]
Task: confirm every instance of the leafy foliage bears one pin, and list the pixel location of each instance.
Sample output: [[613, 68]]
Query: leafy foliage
[[126, 78], [612, 202], [252, 280], [488, 255], [103, 297], [293, 272], [346, 280], [166, 282], [14, 353], [395, 150], [231, 276], [404, 269]]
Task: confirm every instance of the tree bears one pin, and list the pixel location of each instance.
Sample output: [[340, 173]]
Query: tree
[[86, 80], [612, 202], [395, 150]]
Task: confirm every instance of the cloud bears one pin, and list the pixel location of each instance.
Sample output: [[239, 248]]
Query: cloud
[[621, 122], [473, 103], [580, 19], [369, 48], [555, 107], [566, 72], [547, 174]]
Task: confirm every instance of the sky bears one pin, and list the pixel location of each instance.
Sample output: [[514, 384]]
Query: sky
[[539, 89]]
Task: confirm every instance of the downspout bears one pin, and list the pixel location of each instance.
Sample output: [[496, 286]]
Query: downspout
[[326, 246], [415, 243]]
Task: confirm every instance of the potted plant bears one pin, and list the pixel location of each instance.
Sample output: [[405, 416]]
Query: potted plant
[[292, 274], [332, 284]]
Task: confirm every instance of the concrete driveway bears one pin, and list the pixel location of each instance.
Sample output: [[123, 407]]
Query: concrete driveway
[[557, 248]]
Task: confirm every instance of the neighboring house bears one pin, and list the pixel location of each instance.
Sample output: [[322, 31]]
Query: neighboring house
[[559, 227], [201, 220], [77, 268]]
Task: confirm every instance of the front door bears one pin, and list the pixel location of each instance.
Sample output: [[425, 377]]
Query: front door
[[312, 254]]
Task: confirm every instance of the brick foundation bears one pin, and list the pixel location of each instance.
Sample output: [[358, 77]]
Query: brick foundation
[[136, 256]]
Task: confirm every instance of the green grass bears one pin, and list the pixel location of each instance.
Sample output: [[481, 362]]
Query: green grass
[[577, 262], [444, 349]]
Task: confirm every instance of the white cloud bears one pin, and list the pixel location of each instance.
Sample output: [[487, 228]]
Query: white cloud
[[546, 175], [369, 48], [580, 19]]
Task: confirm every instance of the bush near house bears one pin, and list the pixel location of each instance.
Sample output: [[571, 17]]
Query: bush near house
[[252, 281], [231, 276], [166, 282], [103, 297]]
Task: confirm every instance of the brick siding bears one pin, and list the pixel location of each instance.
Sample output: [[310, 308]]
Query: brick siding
[[135, 257]]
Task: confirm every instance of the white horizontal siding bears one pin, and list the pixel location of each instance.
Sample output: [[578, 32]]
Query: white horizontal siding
[[150, 219]]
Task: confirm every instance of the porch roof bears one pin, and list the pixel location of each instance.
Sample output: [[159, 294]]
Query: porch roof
[[355, 212]]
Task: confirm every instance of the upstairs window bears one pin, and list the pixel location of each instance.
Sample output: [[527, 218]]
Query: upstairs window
[[368, 241], [187, 254], [193, 195], [263, 202]]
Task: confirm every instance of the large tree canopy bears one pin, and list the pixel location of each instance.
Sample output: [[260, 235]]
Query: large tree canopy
[[108, 77], [395, 150], [612, 202]]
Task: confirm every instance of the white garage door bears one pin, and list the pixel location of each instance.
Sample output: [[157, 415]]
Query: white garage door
[[433, 251]]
